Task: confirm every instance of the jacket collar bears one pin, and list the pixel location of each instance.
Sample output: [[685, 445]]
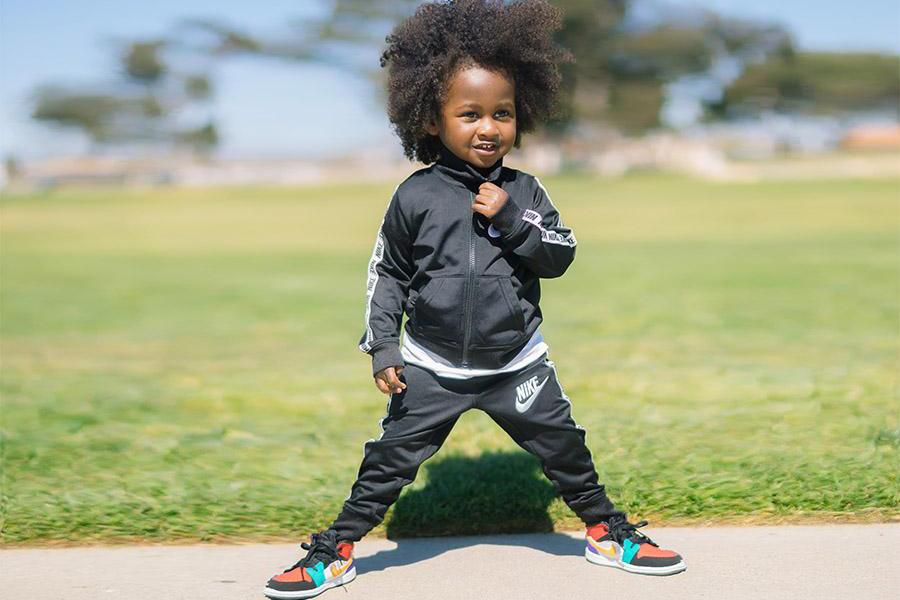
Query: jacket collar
[[456, 168]]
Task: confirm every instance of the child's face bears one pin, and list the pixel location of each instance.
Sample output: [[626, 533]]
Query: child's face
[[478, 119]]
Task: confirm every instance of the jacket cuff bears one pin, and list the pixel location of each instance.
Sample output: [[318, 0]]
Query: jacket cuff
[[508, 217], [385, 356]]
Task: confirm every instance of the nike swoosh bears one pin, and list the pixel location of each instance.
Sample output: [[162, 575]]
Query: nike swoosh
[[610, 553], [523, 406], [335, 572]]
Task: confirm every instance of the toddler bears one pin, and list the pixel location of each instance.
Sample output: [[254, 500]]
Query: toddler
[[461, 251]]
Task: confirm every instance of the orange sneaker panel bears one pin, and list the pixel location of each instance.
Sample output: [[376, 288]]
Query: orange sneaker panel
[[345, 549], [597, 531], [298, 574], [650, 550]]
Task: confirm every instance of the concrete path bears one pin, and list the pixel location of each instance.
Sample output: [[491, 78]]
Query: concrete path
[[790, 562]]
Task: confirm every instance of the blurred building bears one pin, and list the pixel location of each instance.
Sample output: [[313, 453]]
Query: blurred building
[[774, 146]]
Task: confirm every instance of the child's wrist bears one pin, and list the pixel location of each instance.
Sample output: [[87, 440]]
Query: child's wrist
[[508, 216], [386, 356]]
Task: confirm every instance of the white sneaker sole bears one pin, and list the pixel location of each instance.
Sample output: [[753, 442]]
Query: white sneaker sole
[[341, 579], [618, 564]]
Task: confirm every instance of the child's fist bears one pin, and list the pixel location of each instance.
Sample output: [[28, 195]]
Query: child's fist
[[490, 199], [387, 380]]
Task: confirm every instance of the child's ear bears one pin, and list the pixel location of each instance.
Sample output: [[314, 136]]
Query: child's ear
[[432, 128]]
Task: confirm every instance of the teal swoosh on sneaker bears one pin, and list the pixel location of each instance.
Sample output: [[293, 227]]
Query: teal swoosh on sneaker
[[630, 549], [317, 573]]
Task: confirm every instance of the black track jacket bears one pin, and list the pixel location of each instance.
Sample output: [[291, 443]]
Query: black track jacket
[[469, 285]]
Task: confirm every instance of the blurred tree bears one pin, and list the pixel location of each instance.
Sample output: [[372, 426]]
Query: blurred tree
[[813, 82], [346, 36], [622, 66], [618, 78], [92, 113], [144, 106], [143, 62], [13, 167], [198, 87], [202, 140]]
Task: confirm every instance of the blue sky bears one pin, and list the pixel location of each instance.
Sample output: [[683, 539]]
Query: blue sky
[[274, 109]]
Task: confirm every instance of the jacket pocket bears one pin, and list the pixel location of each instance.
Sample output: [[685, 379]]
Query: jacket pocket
[[437, 311], [498, 320]]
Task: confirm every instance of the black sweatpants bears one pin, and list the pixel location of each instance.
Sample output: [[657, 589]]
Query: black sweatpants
[[528, 404]]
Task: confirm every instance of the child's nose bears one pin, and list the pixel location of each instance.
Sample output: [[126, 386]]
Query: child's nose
[[486, 128]]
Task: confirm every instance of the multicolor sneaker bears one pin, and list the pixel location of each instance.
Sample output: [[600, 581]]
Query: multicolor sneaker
[[328, 564], [618, 544]]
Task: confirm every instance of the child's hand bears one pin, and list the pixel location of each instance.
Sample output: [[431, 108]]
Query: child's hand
[[490, 199], [387, 380]]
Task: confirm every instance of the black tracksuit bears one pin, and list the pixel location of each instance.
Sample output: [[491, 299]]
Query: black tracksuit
[[470, 287]]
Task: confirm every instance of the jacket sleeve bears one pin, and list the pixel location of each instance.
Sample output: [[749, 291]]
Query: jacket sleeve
[[387, 287], [536, 233]]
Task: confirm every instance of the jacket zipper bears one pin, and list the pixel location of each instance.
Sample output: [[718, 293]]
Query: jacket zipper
[[468, 309]]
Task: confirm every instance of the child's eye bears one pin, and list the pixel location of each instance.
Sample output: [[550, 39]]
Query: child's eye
[[503, 113], [470, 114]]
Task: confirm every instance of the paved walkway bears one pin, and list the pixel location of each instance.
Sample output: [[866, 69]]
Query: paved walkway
[[789, 562]]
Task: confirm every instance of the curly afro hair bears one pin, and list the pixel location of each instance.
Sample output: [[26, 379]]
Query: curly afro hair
[[428, 48]]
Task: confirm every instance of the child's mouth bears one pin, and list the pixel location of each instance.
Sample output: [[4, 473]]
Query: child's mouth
[[486, 148]]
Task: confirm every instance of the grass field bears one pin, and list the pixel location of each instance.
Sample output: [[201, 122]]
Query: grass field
[[182, 364]]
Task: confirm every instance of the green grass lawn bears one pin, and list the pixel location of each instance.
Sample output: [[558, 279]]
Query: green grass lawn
[[182, 364]]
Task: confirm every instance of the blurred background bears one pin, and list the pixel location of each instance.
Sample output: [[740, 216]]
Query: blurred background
[[190, 195], [204, 93]]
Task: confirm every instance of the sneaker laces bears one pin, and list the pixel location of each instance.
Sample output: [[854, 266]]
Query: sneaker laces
[[621, 529], [323, 546]]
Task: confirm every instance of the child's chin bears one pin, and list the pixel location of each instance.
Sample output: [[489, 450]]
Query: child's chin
[[486, 160]]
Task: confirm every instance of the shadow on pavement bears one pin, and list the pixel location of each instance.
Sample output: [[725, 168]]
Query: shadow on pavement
[[494, 493], [412, 551]]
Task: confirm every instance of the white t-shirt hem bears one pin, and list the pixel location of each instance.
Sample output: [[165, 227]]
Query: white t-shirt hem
[[415, 354]]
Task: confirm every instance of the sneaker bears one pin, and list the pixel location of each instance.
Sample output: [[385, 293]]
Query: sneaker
[[618, 544], [328, 564]]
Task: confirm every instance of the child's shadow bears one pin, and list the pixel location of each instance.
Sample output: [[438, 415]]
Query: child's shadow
[[495, 493]]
